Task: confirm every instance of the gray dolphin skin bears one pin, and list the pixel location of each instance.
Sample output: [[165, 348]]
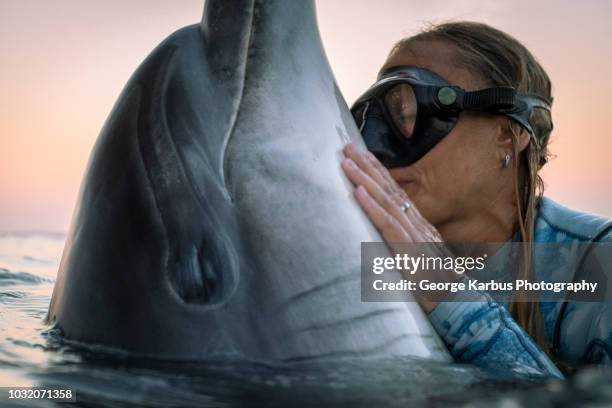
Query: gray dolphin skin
[[214, 217]]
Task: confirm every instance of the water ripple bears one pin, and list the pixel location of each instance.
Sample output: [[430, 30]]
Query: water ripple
[[8, 278], [12, 295]]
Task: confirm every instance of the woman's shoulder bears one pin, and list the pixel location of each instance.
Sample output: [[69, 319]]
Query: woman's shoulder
[[556, 223]]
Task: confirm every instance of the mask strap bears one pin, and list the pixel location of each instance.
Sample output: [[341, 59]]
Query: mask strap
[[491, 99]]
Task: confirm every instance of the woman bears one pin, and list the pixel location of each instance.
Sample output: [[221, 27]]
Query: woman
[[468, 172]]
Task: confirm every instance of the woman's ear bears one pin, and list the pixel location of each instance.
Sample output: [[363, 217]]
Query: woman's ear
[[510, 130]]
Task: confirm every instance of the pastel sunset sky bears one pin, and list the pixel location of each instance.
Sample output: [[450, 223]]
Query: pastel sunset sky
[[64, 62]]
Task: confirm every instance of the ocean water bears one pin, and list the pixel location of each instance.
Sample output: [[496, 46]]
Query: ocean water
[[34, 355]]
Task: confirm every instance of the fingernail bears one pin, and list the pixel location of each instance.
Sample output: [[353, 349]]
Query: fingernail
[[361, 191], [348, 163]]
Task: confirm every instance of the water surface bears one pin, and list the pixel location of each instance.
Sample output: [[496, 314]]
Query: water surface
[[32, 354]]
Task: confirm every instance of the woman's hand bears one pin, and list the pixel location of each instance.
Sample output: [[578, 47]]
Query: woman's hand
[[386, 204]]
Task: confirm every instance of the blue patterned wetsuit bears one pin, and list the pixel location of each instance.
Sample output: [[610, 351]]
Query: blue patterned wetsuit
[[484, 334]]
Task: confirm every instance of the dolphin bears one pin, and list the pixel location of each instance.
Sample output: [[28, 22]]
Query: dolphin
[[214, 217]]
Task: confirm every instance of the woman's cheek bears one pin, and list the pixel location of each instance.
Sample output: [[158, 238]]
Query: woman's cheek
[[411, 189], [440, 193]]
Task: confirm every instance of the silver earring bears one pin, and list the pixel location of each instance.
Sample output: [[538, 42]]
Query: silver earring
[[506, 161]]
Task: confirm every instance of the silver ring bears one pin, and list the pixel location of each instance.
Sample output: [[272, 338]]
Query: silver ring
[[405, 206]]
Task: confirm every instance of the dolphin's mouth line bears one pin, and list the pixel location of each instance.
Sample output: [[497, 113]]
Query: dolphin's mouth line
[[314, 290], [225, 177]]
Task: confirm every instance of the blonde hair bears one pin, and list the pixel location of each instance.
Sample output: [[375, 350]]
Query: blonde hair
[[500, 60]]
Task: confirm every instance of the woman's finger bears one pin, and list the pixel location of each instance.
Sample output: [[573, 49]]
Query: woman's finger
[[412, 212], [375, 169], [382, 187], [353, 153], [359, 178], [384, 173], [398, 193], [389, 227]]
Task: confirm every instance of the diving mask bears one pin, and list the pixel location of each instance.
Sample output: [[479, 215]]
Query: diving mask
[[409, 110]]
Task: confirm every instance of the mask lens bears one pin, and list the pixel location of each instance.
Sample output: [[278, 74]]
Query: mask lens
[[401, 105]]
